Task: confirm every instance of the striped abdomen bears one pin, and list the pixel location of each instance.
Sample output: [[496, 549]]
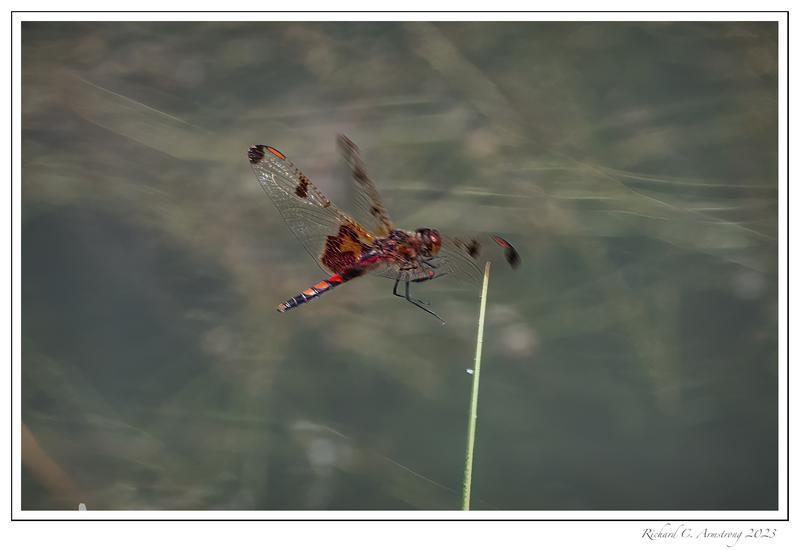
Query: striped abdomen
[[321, 287]]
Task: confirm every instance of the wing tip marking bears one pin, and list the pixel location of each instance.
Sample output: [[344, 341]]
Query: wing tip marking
[[512, 256], [276, 152], [256, 153]]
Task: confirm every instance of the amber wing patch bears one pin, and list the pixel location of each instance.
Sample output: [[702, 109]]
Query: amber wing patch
[[344, 249]]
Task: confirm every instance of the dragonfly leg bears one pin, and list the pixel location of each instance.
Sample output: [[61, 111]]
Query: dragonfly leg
[[394, 291], [419, 303], [427, 278]]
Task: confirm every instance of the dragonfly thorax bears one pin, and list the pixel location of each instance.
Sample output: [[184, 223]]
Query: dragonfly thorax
[[430, 241], [408, 245]]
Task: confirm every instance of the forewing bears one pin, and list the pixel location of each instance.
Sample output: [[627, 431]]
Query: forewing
[[367, 201], [334, 239]]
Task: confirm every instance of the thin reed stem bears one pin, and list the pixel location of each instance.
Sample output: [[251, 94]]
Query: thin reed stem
[[473, 404]]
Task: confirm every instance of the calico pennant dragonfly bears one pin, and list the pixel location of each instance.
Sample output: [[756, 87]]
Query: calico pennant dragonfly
[[347, 248]]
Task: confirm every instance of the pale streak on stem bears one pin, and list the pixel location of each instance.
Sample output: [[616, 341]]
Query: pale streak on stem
[[473, 404]]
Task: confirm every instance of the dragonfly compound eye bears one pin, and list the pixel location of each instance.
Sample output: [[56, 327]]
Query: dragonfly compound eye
[[431, 240]]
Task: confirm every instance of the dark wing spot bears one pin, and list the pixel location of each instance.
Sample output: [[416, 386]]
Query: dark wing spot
[[374, 211], [512, 257], [347, 144], [302, 189], [255, 153], [473, 248], [359, 174]]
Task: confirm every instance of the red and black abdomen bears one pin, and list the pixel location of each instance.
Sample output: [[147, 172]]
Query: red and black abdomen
[[333, 281]]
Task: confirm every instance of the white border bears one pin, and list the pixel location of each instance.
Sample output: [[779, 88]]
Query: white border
[[389, 16], [401, 16]]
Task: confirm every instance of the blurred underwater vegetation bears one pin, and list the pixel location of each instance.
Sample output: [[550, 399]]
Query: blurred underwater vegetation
[[631, 363]]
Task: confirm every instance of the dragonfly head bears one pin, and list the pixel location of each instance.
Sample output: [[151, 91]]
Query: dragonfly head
[[431, 241]]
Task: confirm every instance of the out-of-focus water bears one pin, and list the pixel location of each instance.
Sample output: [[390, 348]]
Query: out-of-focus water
[[631, 363]]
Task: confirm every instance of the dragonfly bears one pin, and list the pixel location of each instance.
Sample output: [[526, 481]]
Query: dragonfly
[[348, 246]]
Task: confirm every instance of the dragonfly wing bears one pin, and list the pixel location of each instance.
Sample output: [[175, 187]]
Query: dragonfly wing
[[395, 272], [465, 256], [367, 201], [334, 239], [460, 259], [452, 260], [455, 260]]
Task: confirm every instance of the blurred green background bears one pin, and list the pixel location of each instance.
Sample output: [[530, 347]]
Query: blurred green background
[[631, 363]]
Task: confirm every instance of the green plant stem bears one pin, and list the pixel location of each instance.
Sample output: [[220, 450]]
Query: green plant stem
[[473, 403]]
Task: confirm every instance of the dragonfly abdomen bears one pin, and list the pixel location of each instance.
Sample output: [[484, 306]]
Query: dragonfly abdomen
[[320, 288]]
